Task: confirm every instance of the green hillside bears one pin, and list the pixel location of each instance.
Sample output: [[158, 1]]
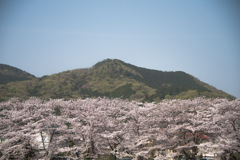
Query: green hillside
[[112, 78], [11, 74]]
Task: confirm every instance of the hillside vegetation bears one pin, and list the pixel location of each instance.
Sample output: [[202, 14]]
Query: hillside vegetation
[[11, 74], [113, 78]]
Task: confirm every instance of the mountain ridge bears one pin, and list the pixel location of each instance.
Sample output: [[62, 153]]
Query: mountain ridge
[[113, 78]]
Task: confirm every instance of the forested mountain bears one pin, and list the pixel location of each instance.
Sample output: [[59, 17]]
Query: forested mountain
[[11, 74], [113, 78]]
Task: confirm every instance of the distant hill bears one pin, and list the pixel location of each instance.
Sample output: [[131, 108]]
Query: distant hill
[[11, 74], [113, 78]]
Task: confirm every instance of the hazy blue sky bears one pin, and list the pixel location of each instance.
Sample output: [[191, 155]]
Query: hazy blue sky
[[199, 37]]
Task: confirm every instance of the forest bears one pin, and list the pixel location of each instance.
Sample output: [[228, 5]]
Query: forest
[[96, 128]]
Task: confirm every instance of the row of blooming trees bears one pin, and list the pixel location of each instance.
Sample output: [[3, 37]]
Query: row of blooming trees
[[35, 129]]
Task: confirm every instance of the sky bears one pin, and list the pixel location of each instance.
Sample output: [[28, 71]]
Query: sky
[[199, 37]]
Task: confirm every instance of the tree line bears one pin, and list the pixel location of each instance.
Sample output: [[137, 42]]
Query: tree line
[[96, 127]]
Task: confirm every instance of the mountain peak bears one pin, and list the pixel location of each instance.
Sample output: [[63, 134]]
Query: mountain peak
[[106, 61]]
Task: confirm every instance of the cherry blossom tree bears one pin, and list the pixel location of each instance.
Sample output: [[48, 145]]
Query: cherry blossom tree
[[228, 121], [17, 138]]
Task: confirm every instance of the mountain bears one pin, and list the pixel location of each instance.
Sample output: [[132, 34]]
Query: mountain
[[11, 74], [113, 78]]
